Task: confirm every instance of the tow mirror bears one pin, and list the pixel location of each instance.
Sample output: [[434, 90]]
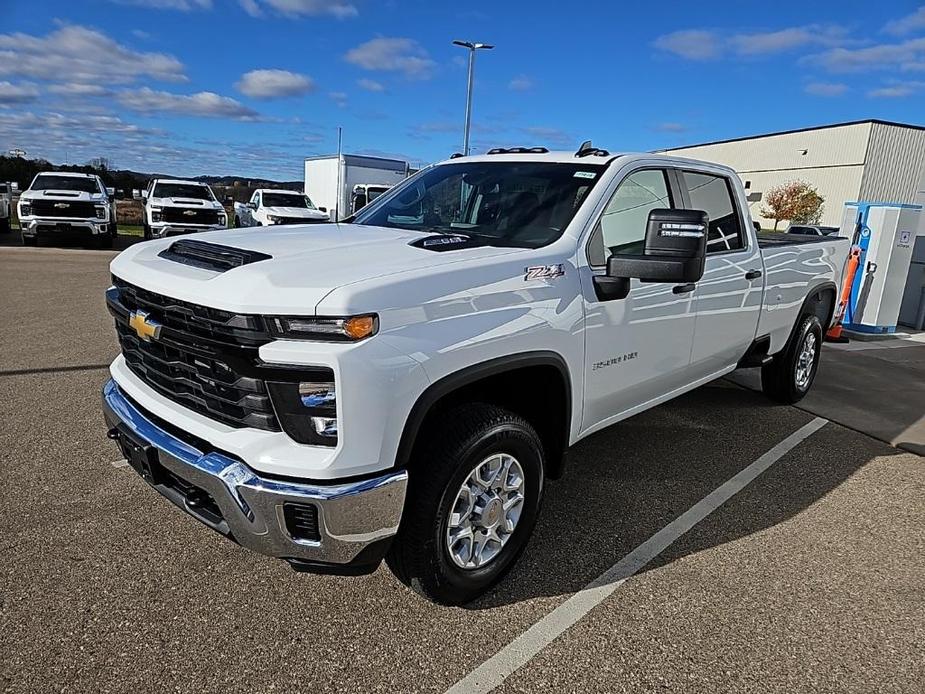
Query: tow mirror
[[322, 209], [110, 192], [675, 250], [252, 205], [144, 195]]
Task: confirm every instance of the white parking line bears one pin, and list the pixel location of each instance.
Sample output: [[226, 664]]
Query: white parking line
[[521, 650]]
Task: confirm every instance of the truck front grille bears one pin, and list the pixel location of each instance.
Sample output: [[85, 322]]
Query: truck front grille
[[200, 357], [64, 208], [189, 215]]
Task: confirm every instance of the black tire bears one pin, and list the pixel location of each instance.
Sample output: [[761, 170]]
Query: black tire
[[5, 225], [146, 232], [783, 380], [459, 441], [103, 240], [30, 240], [237, 222]]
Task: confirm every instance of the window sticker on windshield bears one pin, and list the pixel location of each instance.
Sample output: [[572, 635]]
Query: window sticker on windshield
[[585, 174]]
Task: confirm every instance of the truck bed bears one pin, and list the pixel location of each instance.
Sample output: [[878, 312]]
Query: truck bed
[[774, 240]]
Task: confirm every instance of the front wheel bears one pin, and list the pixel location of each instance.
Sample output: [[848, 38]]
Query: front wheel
[[788, 378], [475, 490]]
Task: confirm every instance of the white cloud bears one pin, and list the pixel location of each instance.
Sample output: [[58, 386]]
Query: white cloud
[[339, 98], [521, 83], [78, 53], [301, 8], [692, 44], [906, 55], [896, 90], [825, 89], [370, 85], [706, 44], [274, 84], [202, 104], [182, 5], [393, 55], [18, 93], [79, 89], [907, 25]]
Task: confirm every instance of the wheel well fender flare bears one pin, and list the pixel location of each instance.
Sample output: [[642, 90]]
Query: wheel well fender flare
[[468, 375]]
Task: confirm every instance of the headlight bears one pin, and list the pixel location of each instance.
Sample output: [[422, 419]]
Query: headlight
[[347, 329], [222, 219], [101, 213], [25, 209], [273, 219], [155, 215], [307, 410]]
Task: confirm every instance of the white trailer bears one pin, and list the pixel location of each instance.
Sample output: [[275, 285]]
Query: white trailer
[[337, 185]]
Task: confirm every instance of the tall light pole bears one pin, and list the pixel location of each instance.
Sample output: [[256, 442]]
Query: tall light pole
[[473, 47]]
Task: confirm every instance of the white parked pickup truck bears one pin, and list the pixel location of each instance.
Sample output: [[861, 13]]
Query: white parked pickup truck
[[403, 386], [59, 203], [174, 207], [269, 207]]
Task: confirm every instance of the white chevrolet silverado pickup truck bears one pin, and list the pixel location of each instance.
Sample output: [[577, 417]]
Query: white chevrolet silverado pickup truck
[[59, 203], [269, 207], [175, 207], [402, 386]]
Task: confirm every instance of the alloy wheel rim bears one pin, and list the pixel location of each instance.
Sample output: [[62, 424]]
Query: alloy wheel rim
[[486, 511], [806, 361]]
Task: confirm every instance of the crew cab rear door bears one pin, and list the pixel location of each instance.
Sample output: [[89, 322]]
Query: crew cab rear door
[[637, 349], [727, 300]]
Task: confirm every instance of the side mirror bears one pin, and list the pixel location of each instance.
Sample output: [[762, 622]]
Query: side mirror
[[322, 209], [144, 195], [675, 250], [757, 226], [252, 205], [110, 191]]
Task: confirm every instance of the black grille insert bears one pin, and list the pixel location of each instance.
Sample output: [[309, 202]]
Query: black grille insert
[[302, 521], [188, 215], [64, 208], [210, 256]]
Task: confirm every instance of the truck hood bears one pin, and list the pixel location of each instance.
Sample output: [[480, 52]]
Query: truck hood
[[302, 270], [71, 195], [185, 202], [300, 212]]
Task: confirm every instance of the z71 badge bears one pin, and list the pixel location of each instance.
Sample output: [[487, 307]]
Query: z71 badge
[[543, 272]]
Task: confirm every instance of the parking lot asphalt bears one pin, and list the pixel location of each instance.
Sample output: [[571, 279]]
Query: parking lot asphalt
[[808, 579]]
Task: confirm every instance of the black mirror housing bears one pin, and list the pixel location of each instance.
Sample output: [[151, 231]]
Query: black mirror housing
[[675, 249]]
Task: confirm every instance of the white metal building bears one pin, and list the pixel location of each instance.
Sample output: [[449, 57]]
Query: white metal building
[[871, 160]]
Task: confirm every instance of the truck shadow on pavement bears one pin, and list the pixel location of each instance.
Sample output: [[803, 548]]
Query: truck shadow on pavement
[[624, 484], [120, 243]]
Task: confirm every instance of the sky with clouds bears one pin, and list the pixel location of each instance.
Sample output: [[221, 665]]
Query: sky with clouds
[[251, 87]]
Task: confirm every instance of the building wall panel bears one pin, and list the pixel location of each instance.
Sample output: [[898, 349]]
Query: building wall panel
[[895, 164]]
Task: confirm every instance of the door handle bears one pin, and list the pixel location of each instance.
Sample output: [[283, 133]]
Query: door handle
[[684, 288], [753, 274]]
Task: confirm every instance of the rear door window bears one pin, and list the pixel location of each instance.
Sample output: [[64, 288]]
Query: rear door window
[[713, 194]]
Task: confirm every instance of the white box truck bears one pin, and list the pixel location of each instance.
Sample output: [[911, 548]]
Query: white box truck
[[341, 185]]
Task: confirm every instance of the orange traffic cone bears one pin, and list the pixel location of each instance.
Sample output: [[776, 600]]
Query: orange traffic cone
[[834, 333]]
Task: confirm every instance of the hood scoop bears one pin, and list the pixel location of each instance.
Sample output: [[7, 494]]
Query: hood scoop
[[210, 256], [181, 201], [61, 193]]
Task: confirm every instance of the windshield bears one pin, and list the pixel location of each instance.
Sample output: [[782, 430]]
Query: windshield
[[526, 204], [287, 200], [50, 182], [183, 190]]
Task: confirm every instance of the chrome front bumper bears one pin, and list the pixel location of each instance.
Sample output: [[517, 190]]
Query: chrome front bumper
[[54, 225], [355, 520]]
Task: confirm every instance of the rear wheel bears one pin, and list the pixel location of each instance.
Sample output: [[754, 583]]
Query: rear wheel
[[475, 488], [788, 378]]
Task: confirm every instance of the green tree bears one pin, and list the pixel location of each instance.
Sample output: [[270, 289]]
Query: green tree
[[796, 201]]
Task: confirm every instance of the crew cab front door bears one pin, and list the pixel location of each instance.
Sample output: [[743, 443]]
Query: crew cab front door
[[637, 349]]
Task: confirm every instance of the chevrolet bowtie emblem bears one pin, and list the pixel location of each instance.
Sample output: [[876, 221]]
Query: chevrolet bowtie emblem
[[146, 328], [62, 205], [189, 213]]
